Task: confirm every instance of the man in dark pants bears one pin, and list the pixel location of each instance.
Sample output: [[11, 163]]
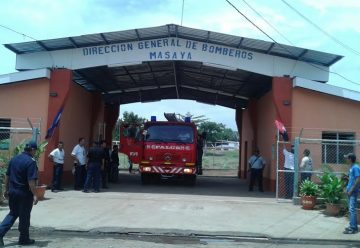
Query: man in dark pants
[[256, 164], [114, 170], [199, 152], [57, 157], [79, 155], [105, 169], [20, 183], [96, 158]]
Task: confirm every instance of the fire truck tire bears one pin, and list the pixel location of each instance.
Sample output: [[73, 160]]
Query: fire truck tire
[[145, 179], [190, 180]]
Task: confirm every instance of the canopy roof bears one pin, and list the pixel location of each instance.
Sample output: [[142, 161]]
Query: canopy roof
[[174, 79]]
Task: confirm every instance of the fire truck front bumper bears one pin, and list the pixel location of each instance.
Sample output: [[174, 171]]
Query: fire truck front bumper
[[167, 170]]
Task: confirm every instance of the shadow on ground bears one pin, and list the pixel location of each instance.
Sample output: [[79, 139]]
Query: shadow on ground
[[205, 185]]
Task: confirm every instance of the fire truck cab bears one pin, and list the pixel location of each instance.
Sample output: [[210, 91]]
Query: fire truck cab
[[163, 149]]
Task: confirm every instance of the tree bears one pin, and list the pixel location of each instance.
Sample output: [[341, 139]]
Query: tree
[[196, 119], [217, 131], [130, 118]]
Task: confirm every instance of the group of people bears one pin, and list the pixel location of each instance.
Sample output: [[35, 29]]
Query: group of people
[[22, 175], [90, 168], [257, 164]]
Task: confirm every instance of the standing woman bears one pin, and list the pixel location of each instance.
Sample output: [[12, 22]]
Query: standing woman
[[306, 166]]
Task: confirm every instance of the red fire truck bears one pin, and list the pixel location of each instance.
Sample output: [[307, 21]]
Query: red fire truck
[[163, 149]]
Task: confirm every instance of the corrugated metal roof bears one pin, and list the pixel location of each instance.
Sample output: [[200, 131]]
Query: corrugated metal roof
[[173, 30]]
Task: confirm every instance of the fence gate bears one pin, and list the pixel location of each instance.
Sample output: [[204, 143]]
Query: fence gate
[[326, 155], [15, 131]]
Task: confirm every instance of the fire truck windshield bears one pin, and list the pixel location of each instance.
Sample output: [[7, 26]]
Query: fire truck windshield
[[170, 133]]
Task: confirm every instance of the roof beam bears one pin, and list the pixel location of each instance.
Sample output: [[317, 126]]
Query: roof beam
[[337, 58], [270, 47], [240, 42], [302, 53], [104, 38], [128, 74], [152, 73], [96, 85], [208, 90], [42, 45], [71, 39], [176, 79], [137, 34], [212, 76]]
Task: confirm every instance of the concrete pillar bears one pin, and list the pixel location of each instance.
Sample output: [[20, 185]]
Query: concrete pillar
[[60, 84], [111, 116], [239, 123], [282, 99]]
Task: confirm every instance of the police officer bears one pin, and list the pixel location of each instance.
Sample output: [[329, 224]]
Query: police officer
[[96, 159], [20, 183]]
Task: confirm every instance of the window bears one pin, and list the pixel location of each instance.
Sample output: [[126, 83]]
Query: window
[[170, 133], [5, 125], [335, 146]]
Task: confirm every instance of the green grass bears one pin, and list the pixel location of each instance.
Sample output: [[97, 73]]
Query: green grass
[[216, 159]]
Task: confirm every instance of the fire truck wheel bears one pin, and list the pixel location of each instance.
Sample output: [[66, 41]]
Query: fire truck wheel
[[190, 180], [145, 178]]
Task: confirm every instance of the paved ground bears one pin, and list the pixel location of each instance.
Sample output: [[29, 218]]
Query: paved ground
[[216, 206]]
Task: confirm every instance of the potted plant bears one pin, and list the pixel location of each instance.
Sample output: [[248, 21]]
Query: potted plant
[[308, 192], [332, 190]]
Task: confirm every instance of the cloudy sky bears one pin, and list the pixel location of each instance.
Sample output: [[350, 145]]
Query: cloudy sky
[[338, 19]]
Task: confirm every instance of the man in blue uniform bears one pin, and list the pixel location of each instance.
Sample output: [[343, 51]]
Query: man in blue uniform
[[352, 190], [96, 157], [20, 183]]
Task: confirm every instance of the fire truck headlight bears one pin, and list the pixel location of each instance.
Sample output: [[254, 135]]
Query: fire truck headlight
[[188, 171], [147, 169], [151, 158], [184, 160]]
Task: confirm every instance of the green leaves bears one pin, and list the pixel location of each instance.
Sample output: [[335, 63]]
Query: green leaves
[[331, 188], [309, 188]]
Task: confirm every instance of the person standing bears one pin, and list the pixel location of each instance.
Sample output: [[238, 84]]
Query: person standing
[[352, 190], [57, 156], [105, 169], [256, 166], [79, 155], [20, 183], [199, 153], [289, 166], [96, 159], [306, 166], [114, 164]]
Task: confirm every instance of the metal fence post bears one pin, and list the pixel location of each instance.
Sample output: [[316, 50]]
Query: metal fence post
[[35, 134], [296, 166]]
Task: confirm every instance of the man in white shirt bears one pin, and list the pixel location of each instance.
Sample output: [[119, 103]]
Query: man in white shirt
[[79, 155], [57, 156], [289, 172], [256, 167]]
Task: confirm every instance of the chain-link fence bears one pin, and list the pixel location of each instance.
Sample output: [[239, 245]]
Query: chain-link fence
[[311, 157], [15, 131], [221, 156]]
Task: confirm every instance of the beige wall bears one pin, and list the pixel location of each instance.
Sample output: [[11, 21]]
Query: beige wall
[[28, 99], [75, 121], [266, 133], [266, 140], [82, 110], [316, 112]]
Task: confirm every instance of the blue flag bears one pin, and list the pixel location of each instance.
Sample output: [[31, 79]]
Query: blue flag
[[54, 124]]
